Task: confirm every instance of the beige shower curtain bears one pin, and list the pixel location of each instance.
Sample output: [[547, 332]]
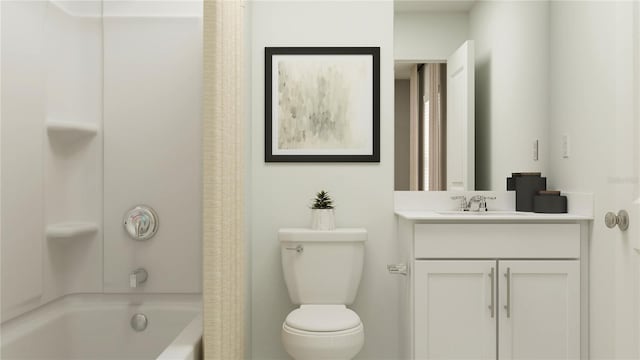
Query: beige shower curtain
[[222, 143]]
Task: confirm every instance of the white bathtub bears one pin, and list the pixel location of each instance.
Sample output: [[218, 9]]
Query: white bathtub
[[96, 327]]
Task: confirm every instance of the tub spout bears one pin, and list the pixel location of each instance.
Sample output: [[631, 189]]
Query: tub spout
[[138, 277]]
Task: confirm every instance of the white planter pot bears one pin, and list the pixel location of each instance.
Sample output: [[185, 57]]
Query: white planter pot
[[323, 219]]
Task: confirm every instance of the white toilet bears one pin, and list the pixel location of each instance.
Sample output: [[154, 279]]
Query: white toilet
[[322, 270]]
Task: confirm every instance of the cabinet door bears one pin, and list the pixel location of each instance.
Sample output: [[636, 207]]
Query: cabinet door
[[455, 309], [539, 310]]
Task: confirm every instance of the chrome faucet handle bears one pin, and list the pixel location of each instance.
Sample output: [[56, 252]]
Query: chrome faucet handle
[[483, 202], [463, 204]]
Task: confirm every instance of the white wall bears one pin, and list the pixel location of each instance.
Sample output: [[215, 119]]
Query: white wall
[[152, 111], [73, 169], [420, 36], [51, 71], [512, 77], [593, 63], [280, 193], [22, 118]]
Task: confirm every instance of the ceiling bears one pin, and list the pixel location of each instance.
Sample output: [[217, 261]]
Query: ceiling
[[433, 5]]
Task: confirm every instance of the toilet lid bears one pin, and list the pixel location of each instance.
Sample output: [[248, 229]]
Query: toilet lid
[[323, 318]]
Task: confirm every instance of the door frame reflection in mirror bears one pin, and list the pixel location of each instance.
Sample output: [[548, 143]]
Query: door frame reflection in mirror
[[454, 150]]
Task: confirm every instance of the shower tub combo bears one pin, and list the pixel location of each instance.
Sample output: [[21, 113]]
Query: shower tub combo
[[104, 326]]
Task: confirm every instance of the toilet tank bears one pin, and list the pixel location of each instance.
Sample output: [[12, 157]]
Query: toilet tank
[[322, 267]]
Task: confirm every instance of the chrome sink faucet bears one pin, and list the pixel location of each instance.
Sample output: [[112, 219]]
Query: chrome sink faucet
[[463, 205], [481, 202], [477, 203]]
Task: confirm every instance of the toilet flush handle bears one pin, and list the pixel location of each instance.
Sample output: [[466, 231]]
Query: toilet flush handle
[[397, 269], [299, 249]]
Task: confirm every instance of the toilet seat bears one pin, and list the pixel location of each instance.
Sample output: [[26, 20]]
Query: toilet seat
[[322, 318], [343, 333], [314, 332]]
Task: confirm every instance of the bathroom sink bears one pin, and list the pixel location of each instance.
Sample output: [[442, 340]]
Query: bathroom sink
[[481, 213]]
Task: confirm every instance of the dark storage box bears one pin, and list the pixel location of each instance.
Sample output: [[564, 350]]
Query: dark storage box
[[511, 181], [527, 188], [550, 204]]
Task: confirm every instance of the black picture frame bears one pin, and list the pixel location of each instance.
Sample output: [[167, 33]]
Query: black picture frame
[[374, 52]]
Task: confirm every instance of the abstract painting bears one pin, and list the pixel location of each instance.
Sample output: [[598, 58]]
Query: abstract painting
[[322, 104]]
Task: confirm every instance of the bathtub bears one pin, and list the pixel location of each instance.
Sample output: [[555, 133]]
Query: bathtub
[[98, 326]]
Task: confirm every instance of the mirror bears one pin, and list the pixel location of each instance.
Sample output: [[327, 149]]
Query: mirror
[[470, 100]]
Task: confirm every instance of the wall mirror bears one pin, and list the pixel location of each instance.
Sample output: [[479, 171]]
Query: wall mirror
[[435, 123], [469, 92]]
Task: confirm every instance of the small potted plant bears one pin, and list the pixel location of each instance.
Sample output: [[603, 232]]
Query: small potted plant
[[322, 216]]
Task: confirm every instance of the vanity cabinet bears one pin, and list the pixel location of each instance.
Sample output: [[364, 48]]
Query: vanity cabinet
[[452, 315], [494, 290], [523, 309], [539, 309]]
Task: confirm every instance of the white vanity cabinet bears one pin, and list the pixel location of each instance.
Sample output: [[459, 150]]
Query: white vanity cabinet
[[451, 313], [539, 309], [494, 290]]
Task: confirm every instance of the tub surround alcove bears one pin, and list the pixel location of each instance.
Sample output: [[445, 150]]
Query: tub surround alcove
[[87, 133]]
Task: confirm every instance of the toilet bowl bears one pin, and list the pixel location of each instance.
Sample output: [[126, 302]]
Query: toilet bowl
[[322, 271], [315, 332]]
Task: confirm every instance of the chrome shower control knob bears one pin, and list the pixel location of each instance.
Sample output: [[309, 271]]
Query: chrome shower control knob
[[141, 222]]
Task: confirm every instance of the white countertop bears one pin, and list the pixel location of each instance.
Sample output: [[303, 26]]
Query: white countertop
[[433, 215]]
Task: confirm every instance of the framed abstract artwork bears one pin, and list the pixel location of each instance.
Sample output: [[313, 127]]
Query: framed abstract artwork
[[322, 104]]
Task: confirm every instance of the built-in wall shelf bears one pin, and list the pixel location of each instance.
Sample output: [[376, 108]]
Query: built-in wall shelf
[[68, 230], [70, 131]]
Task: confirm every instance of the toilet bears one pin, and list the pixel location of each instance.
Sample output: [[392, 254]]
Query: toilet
[[322, 270]]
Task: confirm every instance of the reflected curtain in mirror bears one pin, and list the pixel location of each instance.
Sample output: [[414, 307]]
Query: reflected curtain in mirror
[[428, 126], [414, 132], [437, 124]]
